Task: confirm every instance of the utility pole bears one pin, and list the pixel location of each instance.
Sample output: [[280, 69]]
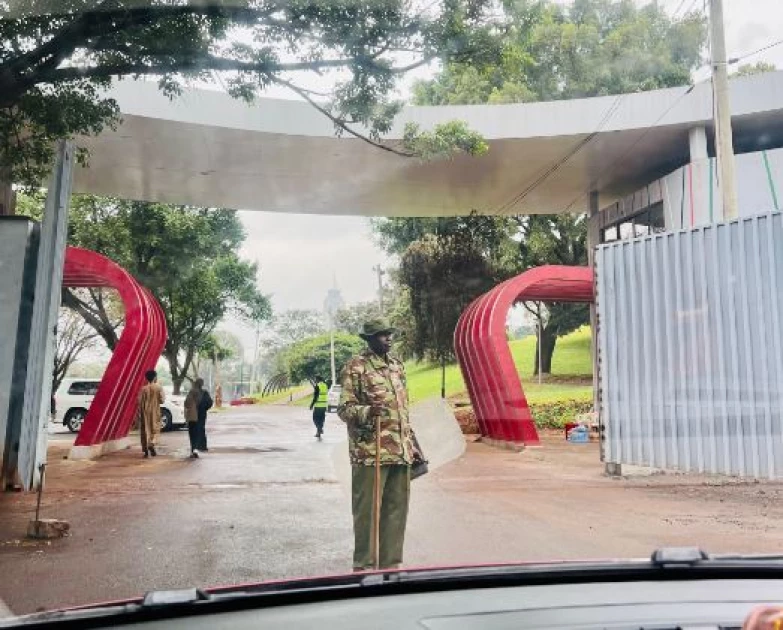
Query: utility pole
[[332, 305], [254, 367], [724, 144], [379, 270]]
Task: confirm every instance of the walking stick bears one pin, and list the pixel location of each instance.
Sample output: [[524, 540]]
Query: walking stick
[[376, 512]]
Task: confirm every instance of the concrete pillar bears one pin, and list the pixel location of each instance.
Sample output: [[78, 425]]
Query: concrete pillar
[[593, 239], [31, 437], [697, 140], [593, 230]]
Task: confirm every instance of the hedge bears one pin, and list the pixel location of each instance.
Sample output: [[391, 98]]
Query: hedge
[[550, 415]]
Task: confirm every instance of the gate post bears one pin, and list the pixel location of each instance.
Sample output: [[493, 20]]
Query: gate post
[[32, 436]]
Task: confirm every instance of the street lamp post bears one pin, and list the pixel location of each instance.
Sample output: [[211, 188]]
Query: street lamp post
[[333, 303]]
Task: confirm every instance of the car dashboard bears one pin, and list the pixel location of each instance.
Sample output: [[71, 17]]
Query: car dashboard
[[658, 604]]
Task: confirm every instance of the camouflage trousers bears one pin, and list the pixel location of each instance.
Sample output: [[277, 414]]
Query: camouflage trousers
[[395, 496]]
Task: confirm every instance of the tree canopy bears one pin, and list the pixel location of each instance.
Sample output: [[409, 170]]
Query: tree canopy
[[443, 272], [551, 51], [554, 51], [185, 256], [56, 59], [308, 358], [554, 240], [748, 69]]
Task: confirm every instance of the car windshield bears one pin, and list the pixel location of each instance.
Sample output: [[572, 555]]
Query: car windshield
[[311, 287]]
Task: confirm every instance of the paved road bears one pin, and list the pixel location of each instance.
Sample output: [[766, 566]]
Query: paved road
[[265, 503]]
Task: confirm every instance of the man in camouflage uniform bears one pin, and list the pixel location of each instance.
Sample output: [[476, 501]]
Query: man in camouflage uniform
[[374, 386]]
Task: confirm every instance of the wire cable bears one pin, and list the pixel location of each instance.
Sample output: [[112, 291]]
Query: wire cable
[[546, 173], [734, 60], [641, 138]]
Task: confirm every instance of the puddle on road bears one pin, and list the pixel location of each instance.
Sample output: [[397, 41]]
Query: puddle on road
[[248, 449], [260, 484], [220, 486]]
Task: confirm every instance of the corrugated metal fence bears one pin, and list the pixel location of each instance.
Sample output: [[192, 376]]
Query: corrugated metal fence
[[691, 348]]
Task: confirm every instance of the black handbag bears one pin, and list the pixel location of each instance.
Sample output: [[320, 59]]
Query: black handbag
[[419, 466]]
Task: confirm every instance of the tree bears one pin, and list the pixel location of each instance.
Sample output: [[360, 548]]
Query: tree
[[748, 69], [311, 357], [216, 348], [74, 336], [443, 273], [589, 48], [294, 325], [351, 318], [100, 308], [56, 57], [445, 263], [185, 256], [554, 51], [284, 329], [559, 239]]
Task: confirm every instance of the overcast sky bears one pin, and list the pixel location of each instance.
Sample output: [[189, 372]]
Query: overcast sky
[[300, 254]]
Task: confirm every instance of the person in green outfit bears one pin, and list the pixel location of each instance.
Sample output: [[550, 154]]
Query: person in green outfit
[[374, 394]]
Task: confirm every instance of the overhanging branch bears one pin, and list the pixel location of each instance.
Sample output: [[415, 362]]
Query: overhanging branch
[[204, 63], [337, 121]]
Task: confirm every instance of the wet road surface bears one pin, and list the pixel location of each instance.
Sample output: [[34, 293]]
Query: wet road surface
[[265, 503]]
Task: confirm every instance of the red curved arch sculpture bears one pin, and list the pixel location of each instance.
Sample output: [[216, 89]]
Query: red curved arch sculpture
[[142, 340], [485, 359]]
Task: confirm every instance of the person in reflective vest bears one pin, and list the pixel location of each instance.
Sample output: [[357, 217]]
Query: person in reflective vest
[[319, 404]]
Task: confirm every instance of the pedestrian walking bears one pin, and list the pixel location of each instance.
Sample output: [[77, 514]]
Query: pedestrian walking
[[151, 398], [204, 405], [319, 404], [192, 403], [374, 406]]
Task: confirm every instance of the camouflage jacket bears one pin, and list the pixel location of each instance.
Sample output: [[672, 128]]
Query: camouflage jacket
[[366, 380]]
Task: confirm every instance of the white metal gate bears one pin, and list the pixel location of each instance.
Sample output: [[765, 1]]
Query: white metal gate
[[690, 348]]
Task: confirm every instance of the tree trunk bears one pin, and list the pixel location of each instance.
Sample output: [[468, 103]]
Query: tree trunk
[[548, 341], [7, 195], [177, 378], [100, 323]]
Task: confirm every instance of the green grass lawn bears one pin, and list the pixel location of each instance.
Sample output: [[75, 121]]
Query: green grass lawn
[[571, 362], [571, 359], [283, 396]]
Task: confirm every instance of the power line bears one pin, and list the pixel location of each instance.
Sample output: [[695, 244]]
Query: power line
[[690, 8], [755, 52], [558, 164], [219, 79], [649, 130], [677, 10]]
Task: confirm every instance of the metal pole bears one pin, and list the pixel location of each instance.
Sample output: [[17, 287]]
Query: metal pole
[[331, 350], [254, 367], [724, 145], [443, 377], [379, 270], [540, 337]]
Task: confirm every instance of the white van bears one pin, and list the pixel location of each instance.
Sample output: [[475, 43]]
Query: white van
[[333, 398], [74, 397]]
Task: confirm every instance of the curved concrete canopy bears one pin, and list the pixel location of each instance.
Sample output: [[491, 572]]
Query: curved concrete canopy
[[206, 148]]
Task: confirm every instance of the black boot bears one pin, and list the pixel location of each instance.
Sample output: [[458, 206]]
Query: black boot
[[153, 452], [146, 454]]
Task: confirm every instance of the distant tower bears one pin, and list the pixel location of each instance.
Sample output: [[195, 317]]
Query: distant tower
[[334, 301]]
